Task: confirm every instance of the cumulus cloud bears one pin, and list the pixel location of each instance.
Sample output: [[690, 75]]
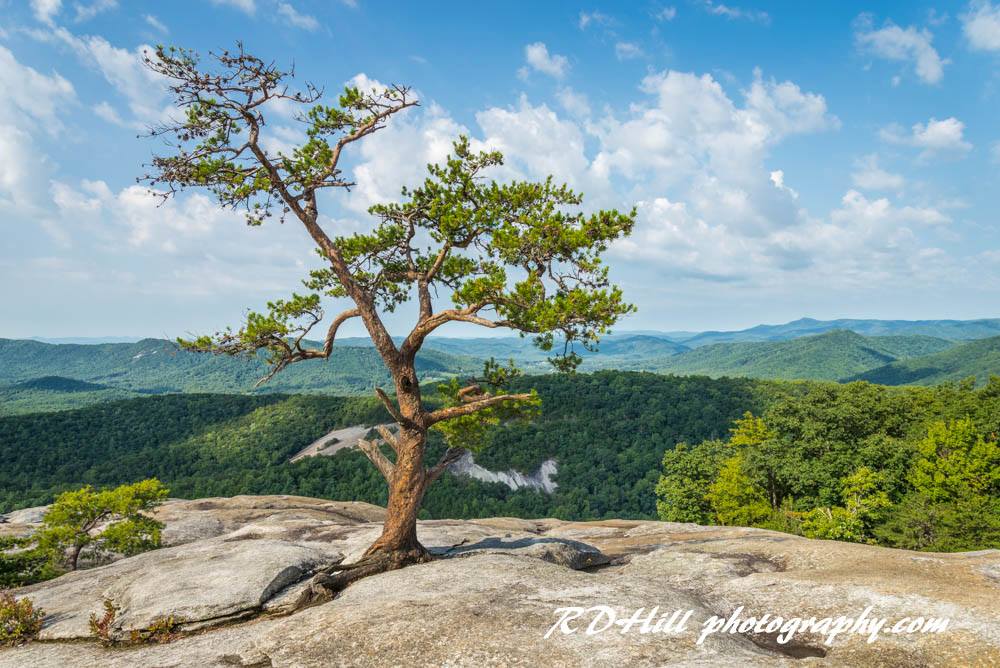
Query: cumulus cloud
[[294, 18], [981, 25], [31, 106], [868, 175], [211, 249], [935, 138], [908, 45], [573, 102], [538, 58]]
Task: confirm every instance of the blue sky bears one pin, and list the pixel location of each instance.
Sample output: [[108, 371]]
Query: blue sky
[[834, 159]]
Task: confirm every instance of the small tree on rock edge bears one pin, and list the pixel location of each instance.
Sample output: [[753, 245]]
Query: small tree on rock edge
[[515, 255]]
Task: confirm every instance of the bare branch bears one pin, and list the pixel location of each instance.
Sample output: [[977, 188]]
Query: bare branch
[[372, 451], [390, 406], [450, 456], [388, 437]]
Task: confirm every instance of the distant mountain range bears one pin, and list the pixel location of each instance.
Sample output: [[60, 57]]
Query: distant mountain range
[[36, 375]]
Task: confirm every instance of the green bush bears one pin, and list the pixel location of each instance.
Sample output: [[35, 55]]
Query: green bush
[[20, 621], [102, 521]]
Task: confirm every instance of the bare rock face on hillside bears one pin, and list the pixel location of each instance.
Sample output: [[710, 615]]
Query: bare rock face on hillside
[[234, 569]]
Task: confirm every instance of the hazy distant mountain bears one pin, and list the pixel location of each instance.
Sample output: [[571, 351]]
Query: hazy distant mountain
[[87, 340], [153, 366], [832, 355], [954, 330]]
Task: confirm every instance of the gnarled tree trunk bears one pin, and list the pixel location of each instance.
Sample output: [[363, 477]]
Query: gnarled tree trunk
[[398, 545], [406, 492]]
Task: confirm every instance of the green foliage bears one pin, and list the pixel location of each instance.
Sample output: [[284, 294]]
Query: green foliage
[[865, 505], [915, 468], [470, 431], [22, 563], [735, 500], [109, 520], [20, 621], [687, 474], [608, 432], [955, 499]]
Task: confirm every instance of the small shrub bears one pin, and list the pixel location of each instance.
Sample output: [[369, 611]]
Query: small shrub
[[162, 630], [100, 627], [20, 621]]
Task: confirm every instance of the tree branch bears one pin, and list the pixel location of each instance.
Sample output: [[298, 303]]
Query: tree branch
[[331, 334], [467, 409], [388, 437], [450, 456], [390, 406], [372, 451]]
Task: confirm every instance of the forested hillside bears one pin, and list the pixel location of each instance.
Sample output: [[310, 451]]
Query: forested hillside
[[975, 359], [607, 431], [155, 366]]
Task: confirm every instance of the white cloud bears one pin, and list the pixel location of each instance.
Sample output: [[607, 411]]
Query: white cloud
[[245, 6], [155, 23], [596, 18], [981, 25], [778, 179], [31, 100], [32, 105], [144, 90], [573, 102], [627, 51], [736, 13], [209, 248], [296, 19], [85, 12], [935, 138], [902, 45], [665, 14], [868, 175], [105, 111], [398, 155], [46, 10], [537, 143], [538, 58]]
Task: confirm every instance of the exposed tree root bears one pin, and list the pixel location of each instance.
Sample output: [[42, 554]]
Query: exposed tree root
[[332, 580]]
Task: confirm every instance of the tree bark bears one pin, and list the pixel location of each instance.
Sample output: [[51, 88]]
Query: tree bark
[[74, 556], [406, 492]]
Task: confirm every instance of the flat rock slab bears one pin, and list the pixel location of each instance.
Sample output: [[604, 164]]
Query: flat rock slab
[[493, 595], [203, 583]]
